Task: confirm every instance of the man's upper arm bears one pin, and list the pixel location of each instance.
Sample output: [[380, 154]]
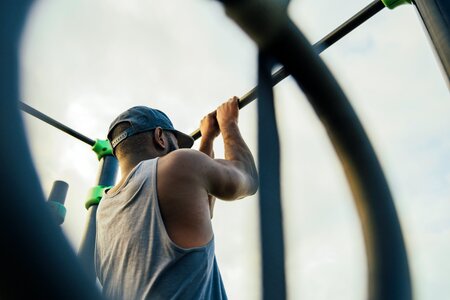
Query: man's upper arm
[[224, 179]]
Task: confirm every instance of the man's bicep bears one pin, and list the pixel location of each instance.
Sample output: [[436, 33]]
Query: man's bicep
[[224, 179]]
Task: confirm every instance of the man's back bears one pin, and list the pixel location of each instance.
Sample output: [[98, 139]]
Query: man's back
[[138, 259], [154, 232]]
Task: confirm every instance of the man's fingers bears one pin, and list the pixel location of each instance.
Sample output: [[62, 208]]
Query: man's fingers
[[213, 114], [231, 102]]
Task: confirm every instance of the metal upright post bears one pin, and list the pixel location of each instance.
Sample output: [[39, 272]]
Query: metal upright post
[[270, 210], [436, 17], [56, 200], [106, 178]]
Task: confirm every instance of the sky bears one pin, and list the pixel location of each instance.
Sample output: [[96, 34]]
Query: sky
[[83, 62]]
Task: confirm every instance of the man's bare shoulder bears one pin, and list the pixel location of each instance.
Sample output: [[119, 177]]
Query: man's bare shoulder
[[185, 157], [184, 162]]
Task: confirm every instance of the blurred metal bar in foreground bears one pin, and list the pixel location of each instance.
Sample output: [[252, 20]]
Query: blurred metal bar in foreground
[[37, 260], [270, 210], [267, 23]]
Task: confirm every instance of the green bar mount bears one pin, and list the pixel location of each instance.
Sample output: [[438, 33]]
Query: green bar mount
[[102, 148], [95, 195], [391, 4]]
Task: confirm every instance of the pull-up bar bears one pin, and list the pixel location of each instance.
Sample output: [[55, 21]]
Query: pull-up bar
[[334, 36]]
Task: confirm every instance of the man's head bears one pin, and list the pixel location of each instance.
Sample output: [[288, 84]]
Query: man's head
[[142, 129]]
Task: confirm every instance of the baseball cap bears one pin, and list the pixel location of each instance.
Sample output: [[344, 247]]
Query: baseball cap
[[143, 118]]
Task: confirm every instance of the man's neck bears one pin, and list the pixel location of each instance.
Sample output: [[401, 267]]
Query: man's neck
[[130, 162]]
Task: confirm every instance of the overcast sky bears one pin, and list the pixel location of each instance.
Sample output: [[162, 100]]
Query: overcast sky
[[85, 61]]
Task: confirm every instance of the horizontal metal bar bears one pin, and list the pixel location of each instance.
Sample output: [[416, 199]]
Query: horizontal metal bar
[[35, 113], [334, 36]]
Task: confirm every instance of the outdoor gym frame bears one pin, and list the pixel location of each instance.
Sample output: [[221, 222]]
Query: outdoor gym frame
[[37, 258]]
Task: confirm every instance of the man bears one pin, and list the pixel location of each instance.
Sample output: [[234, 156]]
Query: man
[[154, 234]]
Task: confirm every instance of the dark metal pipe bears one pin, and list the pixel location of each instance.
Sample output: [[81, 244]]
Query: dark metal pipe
[[43, 117], [271, 217], [436, 17], [386, 252], [334, 36], [56, 200], [389, 276], [106, 177], [59, 192], [108, 171]]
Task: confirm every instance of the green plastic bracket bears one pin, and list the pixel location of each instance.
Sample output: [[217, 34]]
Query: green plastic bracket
[[102, 148], [391, 4], [95, 195]]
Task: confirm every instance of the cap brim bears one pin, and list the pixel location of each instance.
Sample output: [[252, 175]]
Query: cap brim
[[184, 140]]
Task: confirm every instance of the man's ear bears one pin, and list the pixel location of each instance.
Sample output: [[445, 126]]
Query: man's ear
[[158, 138]]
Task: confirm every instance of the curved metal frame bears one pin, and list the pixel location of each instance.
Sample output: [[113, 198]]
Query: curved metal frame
[[37, 260], [267, 23]]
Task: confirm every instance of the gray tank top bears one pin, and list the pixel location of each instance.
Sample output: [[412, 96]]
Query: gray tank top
[[136, 259]]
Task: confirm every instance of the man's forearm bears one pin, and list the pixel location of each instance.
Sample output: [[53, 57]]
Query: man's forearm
[[206, 146], [237, 150]]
